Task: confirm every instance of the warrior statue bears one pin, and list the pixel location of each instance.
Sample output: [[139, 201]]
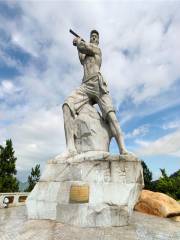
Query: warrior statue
[[92, 90]]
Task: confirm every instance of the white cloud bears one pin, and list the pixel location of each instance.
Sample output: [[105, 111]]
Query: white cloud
[[9, 61], [168, 144], [37, 137], [140, 131], [149, 70], [7, 88], [140, 61], [172, 125]]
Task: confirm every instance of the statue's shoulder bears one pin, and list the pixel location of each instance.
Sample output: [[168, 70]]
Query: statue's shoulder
[[95, 48]]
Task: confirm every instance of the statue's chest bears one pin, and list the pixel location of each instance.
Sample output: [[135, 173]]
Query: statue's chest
[[90, 60]]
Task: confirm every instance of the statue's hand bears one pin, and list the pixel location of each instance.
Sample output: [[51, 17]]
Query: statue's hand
[[75, 41]]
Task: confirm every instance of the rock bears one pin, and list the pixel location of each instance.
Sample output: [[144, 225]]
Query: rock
[[91, 131], [158, 204], [89, 190], [176, 218]]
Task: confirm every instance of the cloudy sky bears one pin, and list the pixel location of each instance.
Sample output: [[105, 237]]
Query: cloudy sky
[[39, 68]]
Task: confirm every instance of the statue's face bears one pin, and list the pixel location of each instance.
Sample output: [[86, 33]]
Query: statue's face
[[94, 38]]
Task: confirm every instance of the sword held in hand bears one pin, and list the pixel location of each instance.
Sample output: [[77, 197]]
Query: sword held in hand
[[76, 35]]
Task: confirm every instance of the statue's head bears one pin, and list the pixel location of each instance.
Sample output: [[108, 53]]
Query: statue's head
[[94, 37]]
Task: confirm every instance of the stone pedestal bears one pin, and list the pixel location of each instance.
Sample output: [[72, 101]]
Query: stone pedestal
[[89, 190]]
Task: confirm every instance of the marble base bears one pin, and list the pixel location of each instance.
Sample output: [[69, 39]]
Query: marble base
[[89, 190]]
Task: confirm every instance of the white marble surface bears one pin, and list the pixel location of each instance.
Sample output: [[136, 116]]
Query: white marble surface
[[114, 181], [91, 131]]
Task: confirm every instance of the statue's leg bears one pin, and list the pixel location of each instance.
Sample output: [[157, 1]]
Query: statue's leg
[[68, 127], [107, 109], [116, 131]]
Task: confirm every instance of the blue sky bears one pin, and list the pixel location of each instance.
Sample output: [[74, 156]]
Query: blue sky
[[39, 68]]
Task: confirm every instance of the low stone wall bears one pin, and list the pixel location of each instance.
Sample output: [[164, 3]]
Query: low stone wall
[[15, 199]]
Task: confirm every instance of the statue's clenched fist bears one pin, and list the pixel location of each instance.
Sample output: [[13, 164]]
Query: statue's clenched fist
[[75, 41]]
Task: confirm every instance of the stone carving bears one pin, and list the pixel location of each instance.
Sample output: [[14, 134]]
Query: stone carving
[[88, 186], [91, 132], [93, 90]]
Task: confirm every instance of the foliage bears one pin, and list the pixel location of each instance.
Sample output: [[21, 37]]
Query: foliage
[[8, 181], [169, 185], [147, 176], [177, 186], [33, 178]]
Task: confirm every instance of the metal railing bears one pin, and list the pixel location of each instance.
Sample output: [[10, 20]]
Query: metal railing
[[15, 199]]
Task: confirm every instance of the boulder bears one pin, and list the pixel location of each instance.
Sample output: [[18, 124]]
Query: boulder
[[92, 133], [158, 204]]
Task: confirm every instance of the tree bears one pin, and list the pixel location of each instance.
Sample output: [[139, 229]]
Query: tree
[[176, 177], [33, 178], [169, 185], [8, 181], [147, 176]]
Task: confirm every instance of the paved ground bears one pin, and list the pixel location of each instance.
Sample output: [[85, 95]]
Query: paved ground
[[15, 226]]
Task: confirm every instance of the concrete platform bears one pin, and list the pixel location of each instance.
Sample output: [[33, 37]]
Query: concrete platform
[[15, 226]]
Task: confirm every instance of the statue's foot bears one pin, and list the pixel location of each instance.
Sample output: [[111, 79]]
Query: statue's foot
[[124, 151], [63, 156], [67, 154]]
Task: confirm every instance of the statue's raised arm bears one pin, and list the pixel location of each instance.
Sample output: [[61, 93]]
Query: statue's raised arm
[[86, 48]]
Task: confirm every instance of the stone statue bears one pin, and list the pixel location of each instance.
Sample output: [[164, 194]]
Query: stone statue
[[88, 186], [93, 90]]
